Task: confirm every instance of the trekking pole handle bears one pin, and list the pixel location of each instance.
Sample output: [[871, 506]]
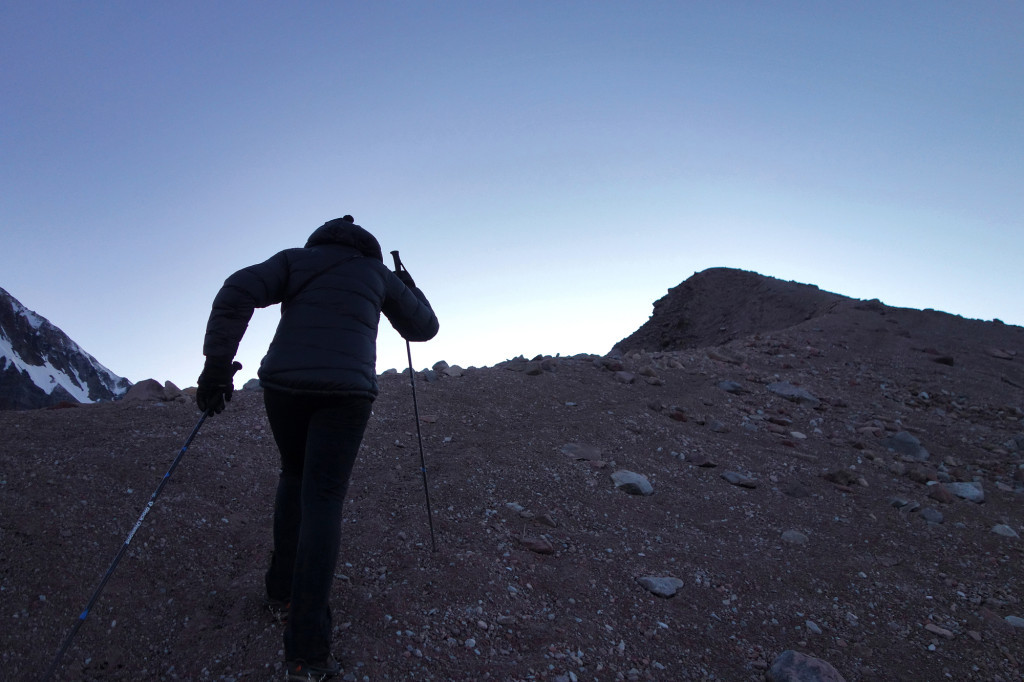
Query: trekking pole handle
[[398, 261]]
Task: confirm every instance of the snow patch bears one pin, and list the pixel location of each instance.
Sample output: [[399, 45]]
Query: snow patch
[[44, 376], [31, 316]]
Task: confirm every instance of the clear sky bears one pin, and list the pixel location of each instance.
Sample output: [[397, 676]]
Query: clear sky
[[547, 169]]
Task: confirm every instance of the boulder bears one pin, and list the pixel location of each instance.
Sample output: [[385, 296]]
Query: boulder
[[147, 389], [171, 391]]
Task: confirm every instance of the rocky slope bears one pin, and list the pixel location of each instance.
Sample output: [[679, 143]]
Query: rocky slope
[[41, 366], [847, 486]]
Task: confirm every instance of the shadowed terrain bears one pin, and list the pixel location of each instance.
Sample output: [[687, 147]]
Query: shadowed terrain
[[825, 475]]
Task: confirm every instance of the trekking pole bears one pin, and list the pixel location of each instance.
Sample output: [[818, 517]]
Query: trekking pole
[[416, 411], [124, 548]]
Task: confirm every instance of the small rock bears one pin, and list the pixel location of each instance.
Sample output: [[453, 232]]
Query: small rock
[[625, 377], [699, 459], [546, 520], [907, 444], [932, 515], [1004, 530], [794, 537], [797, 489], [731, 387], [968, 490], [538, 545], [581, 451], [661, 586], [786, 390], [813, 627], [936, 630], [904, 504], [739, 479], [792, 666], [941, 493], [921, 475], [842, 477], [1015, 621], [632, 483]]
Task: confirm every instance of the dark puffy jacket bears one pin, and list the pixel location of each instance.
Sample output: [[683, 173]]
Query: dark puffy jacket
[[332, 293]]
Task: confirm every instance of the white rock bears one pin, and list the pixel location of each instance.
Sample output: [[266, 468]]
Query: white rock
[[632, 483]]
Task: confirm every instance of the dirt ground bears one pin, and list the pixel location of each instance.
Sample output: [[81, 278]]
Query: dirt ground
[[826, 542]]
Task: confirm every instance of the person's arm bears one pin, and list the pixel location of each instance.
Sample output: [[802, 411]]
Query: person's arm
[[407, 308], [256, 286]]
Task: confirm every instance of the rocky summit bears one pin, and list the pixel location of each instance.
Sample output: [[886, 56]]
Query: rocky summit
[[830, 489]]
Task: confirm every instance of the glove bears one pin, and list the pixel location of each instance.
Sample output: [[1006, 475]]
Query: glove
[[405, 277], [215, 387]]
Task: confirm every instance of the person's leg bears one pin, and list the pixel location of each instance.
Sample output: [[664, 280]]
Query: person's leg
[[289, 422], [335, 433]]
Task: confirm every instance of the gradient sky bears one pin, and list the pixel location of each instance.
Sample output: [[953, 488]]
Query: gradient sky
[[547, 169]]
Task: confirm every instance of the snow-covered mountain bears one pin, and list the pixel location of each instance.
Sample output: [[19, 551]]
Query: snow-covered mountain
[[41, 366]]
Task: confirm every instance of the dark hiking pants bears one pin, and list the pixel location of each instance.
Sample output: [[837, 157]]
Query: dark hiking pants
[[318, 438]]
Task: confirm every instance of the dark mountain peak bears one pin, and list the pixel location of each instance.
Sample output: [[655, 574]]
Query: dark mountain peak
[[40, 366], [720, 304]]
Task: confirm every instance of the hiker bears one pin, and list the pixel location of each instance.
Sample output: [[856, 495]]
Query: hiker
[[319, 381]]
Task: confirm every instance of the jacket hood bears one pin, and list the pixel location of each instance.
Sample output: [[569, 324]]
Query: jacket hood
[[340, 231]]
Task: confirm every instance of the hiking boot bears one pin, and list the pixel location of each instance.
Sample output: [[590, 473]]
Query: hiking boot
[[300, 671], [279, 609]]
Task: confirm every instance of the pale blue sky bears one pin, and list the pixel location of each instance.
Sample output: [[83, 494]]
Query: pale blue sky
[[547, 169]]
